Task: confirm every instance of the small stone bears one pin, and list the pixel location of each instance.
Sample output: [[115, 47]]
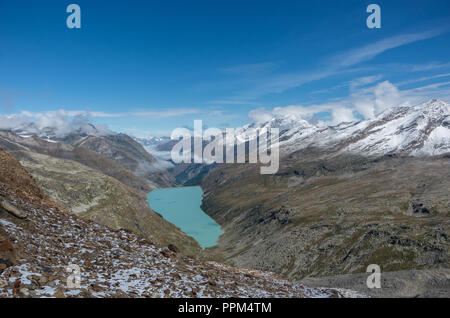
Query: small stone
[[173, 248], [43, 280], [24, 291], [59, 294], [13, 210], [165, 253], [17, 283]]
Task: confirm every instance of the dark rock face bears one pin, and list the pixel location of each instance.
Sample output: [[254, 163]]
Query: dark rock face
[[418, 209]]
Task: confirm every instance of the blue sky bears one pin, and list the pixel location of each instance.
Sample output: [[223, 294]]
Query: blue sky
[[147, 67]]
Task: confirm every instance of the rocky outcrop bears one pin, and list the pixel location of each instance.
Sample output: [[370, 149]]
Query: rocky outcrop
[[5, 205]]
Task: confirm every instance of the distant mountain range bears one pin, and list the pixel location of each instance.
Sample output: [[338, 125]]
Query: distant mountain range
[[152, 141], [418, 130]]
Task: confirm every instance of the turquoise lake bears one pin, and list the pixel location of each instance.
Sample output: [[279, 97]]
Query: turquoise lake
[[181, 206]]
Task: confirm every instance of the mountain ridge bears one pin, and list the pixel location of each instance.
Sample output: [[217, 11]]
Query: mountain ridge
[[419, 130]]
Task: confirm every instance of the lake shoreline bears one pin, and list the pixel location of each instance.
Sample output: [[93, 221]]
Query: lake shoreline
[[181, 206]]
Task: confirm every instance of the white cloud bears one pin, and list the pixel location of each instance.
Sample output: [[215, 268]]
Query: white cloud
[[344, 62], [374, 100], [260, 115], [366, 102], [370, 51], [61, 122], [339, 113], [8, 122], [363, 81], [342, 115], [428, 66], [423, 79]]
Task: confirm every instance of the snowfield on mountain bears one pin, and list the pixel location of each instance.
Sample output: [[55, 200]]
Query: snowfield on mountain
[[421, 130]]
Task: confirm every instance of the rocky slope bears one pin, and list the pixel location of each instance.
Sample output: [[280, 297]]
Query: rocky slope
[[10, 141], [119, 148], [344, 197], [35, 253], [425, 283], [90, 193], [97, 197], [333, 217], [128, 153]]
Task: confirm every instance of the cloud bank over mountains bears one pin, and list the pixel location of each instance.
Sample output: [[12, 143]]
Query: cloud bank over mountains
[[56, 124], [368, 98]]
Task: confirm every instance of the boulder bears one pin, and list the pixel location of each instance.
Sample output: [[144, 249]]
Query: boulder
[[12, 209]]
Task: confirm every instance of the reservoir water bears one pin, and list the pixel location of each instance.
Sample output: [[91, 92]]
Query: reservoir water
[[181, 206]]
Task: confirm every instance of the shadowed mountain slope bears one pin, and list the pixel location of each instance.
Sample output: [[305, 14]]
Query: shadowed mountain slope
[[128, 153]]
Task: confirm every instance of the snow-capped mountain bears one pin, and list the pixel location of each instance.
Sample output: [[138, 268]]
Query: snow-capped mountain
[[419, 130], [58, 132], [423, 129], [289, 127], [152, 146], [151, 140]]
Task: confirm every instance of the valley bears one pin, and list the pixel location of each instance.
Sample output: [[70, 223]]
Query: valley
[[344, 197], [37, 248], [95, 187]]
